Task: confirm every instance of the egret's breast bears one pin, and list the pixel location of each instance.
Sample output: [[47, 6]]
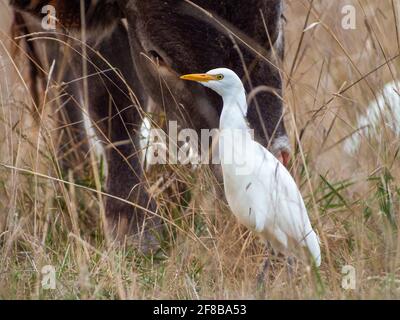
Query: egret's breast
[[238, 200]]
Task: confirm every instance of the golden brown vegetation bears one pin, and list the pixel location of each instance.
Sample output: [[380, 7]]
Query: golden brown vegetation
[[330, 75]]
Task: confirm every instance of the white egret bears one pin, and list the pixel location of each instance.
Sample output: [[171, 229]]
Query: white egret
[[260, 191]]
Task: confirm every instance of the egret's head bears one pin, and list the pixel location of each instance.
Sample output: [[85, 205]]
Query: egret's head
[[223, 81]]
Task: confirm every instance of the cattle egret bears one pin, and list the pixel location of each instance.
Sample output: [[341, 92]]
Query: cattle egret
[[260, 191]]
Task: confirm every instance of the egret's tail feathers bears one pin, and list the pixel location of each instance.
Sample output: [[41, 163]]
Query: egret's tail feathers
[[312, 244]]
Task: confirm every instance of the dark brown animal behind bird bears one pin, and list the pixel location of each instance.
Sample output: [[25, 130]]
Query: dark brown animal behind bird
[[110, 105], [179, 39], [182, 39]]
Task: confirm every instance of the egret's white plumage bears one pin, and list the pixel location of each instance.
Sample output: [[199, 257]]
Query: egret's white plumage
[[385, 109], [260, 191]]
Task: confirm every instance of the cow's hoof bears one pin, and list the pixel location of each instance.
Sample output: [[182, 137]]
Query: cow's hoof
[[136, 228]]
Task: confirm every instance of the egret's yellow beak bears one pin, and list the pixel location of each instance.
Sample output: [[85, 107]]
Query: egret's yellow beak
[[199, 77]]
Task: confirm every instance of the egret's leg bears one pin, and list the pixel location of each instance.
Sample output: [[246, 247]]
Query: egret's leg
[[291, 261], [262, 275]]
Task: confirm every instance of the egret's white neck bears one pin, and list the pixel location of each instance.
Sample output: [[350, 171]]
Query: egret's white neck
[[234, 111]]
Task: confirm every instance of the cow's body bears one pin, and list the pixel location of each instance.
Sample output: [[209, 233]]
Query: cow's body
[[113, 113], [172, 34], [185, 41]]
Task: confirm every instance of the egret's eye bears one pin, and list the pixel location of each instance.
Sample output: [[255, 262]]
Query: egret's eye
[[220, 76]]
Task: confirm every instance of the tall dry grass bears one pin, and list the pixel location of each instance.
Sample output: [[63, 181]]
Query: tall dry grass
[[330, 75]]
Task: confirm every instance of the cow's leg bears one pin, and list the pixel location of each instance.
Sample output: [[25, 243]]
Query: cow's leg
[[125, 180], [129, 209]]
